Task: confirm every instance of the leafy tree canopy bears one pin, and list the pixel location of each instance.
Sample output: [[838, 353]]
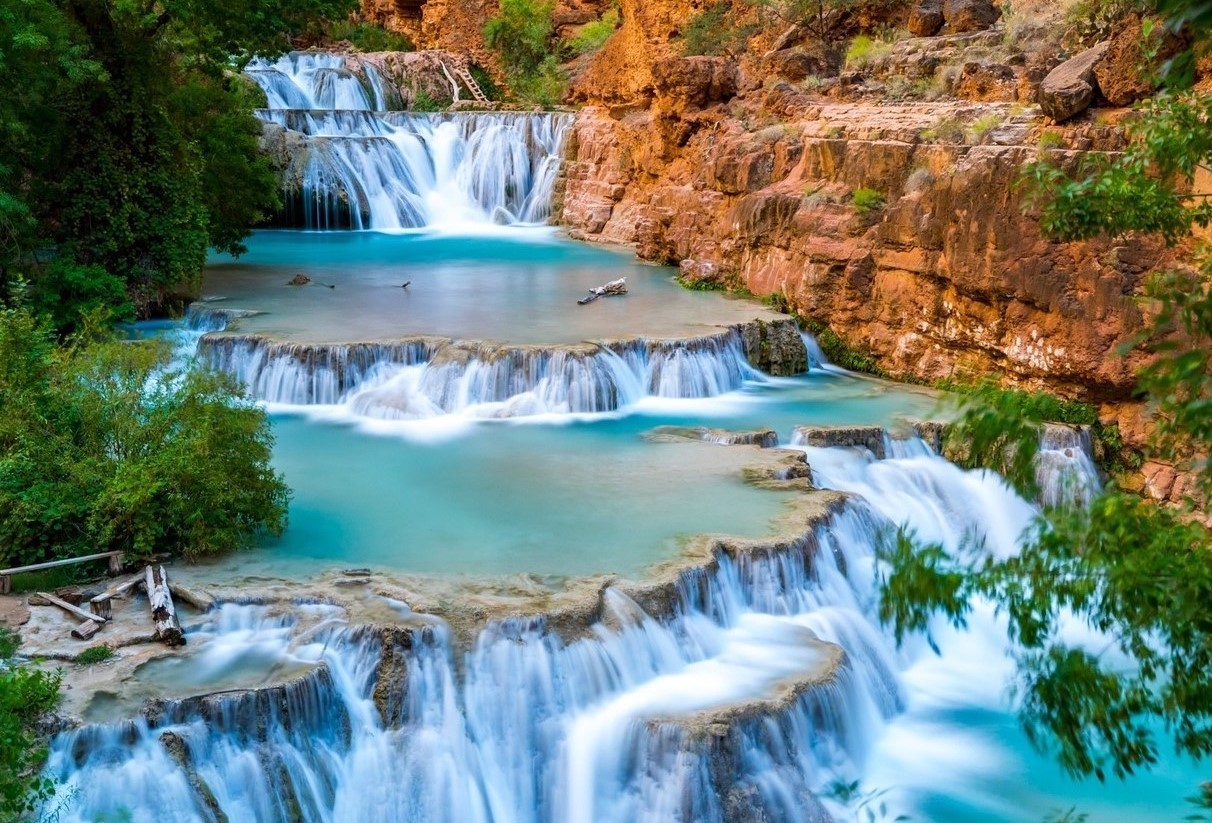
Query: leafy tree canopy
[[107, 445], [128, 146]]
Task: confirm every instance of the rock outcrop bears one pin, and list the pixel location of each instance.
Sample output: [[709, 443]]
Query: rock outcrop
[[1071, 87], [969, 15], [926, 18], [951, 278]]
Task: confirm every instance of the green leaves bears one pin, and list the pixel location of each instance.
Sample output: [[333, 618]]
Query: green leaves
[[26, 693], [103, 447]]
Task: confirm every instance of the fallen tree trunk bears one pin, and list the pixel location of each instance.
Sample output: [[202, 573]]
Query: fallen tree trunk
[[164, 615], [611, 289]]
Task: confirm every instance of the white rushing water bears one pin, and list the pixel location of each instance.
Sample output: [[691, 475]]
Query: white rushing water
[[353, 163], [686, 715], [417, 380]]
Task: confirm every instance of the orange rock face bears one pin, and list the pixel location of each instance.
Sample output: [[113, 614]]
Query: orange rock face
[[950, 279]]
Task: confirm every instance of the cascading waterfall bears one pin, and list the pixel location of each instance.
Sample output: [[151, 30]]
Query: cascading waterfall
[[682, 715], [352, 162], [425, 378]]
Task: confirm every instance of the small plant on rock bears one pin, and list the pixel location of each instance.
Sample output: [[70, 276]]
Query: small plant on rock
[[867, 201], [95, 654]]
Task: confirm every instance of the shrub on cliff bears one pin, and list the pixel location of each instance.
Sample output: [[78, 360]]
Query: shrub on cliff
[[25, 695], [592, 36], [107, 445], [522, 34]]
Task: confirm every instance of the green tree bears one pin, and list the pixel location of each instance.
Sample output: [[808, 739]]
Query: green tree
[[132, 146], [106, 445]]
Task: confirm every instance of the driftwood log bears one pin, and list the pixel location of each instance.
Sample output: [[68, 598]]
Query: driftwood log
[[74, 611], [86, 630], [164, 615], [101, 605], [611, 289]]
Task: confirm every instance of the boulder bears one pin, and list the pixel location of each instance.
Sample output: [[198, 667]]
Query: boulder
[[969, 15], [799, 63], [1070, 87], [1119, 73], [695, 81], [978, 81], [926, 18]]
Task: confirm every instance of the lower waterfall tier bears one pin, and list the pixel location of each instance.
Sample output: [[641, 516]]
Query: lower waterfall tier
[[426, 377]]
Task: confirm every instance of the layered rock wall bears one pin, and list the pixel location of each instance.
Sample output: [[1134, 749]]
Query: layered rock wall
[[948, 277]]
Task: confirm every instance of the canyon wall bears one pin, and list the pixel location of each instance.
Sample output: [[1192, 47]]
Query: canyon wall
[[944, 275]]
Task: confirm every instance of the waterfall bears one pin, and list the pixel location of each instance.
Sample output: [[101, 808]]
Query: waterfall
[[722, 702], [424, 377], [350, 162]]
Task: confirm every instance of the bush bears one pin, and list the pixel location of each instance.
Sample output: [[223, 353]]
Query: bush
[[867, 201], [95, 654], [983, 126], [592, 36], [945, 130], [521, 35], [545, 86], [423, 101], [368, 37], [864, 51], [25, 694], [107, 446]]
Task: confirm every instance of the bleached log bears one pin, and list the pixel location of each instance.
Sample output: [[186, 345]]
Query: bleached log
[[164, 614], [101, 603], [200, 600], [74, 611], [86, 630], [611, 289]]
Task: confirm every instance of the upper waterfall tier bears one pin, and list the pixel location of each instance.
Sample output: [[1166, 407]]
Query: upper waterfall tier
[[351, 159]]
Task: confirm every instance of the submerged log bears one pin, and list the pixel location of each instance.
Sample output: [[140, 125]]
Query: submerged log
[[86, 630], [74, 611], [611, 289], [164, 615], [200, 600]]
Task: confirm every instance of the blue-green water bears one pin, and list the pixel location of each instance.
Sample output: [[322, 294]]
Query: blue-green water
[[571, 495], [519, 286]]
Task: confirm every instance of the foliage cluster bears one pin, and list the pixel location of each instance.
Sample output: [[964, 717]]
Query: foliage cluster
[[365, 36], [592, 36], [1092, 21], [523, 36], [716, 30], [106, 445], [864, 50], [26, 693], [867, 201], [95, 654], [132, 147], [819, 18]]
